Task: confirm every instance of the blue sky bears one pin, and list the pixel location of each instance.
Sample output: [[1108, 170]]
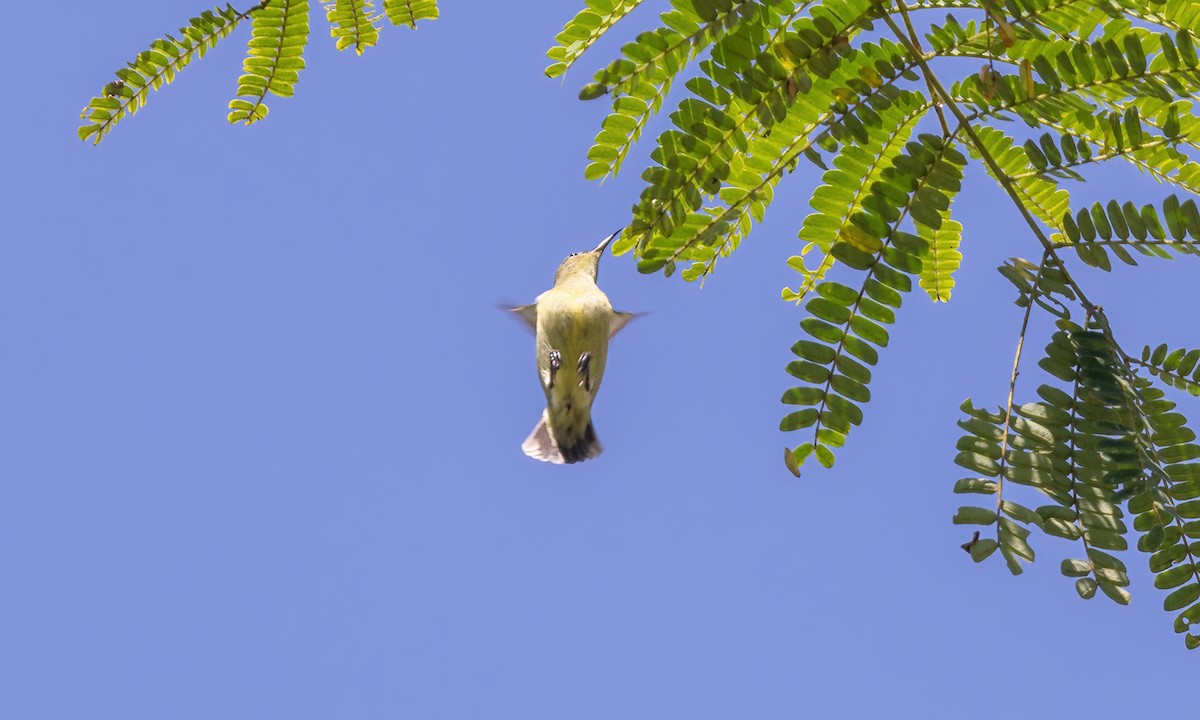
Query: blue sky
[[260, 421]]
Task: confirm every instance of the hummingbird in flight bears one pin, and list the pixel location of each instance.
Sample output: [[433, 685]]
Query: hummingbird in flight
[[573, 322]]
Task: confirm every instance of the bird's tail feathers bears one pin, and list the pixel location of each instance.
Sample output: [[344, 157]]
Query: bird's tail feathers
[[541, 445]]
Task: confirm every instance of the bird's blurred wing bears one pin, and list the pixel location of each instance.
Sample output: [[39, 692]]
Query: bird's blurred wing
[[620, 320], [528, 313]]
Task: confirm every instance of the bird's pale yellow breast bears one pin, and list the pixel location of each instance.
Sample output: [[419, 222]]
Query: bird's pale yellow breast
[[574, 318]]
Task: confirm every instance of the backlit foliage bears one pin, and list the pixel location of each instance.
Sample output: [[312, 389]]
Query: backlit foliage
[[893, 99], [152, 69], [274, 54], [875, 93], [352, 24], [274, 59]]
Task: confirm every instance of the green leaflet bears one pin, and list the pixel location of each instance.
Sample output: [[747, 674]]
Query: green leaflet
[[857, 169], [847, 185], [751, 182], [1049, 445], [1162, 512]]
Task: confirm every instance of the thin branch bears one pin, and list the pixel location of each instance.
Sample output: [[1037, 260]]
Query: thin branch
[[916, 43], [254, 9], [1012, 383]]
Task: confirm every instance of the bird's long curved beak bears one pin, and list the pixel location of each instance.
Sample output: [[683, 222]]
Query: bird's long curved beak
[[604, 243]]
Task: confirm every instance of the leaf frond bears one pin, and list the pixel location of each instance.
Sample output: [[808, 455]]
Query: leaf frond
[[410, 12], [582, 31], [274, 59], [845, 326], [848, 185], [1169, 514], [1175, 368], [641, 80], [1099, 229], [1042, 197], [152, 69], [352, 24], [938, 268]]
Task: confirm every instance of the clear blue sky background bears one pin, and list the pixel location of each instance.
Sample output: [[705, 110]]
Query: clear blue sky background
[[260, 421]]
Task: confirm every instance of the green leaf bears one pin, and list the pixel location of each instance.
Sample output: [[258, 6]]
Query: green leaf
[[968, 515], [1187, 618], [152, 69], [1076, 568], [1086, 587], [938, 268], [1182, 597], [983, 548], [976, 485], [591, 91], [1117, 594], [824, 456], [274, 54], [409, 12], [1020, 513], [798, 420], [803, 396], [1035, 155], [352, 24], [1174, 577], [1174, 218]]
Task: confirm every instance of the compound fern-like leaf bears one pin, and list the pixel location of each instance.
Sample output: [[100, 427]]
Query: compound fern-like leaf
[[1099, 229], [585, 29], [1176, 368], [1169, 515], [939, 266], [152, 69], [274, 59], [409, 12], [846, 326], [639, 81], [352, 24]]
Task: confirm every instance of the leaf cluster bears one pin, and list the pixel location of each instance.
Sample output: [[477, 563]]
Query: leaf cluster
[[880, 96], [274, 54], [1100, 444], [874, 92]]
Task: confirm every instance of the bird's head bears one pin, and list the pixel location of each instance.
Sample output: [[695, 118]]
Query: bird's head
[[583, 264]]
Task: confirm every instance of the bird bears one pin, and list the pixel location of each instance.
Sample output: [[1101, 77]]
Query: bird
[[573, 322]]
